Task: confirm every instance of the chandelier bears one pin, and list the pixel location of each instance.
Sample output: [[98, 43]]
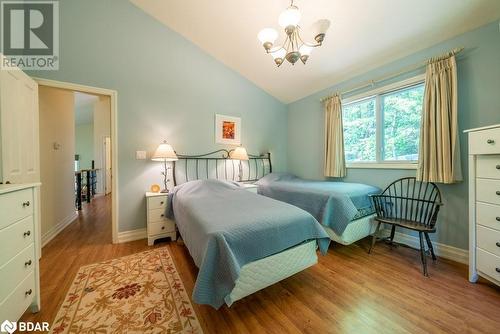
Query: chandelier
[[294, 47]]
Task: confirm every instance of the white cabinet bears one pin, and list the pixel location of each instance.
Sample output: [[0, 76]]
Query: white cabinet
[[19, 250], [484, 203], [19, 134], [159, 226]]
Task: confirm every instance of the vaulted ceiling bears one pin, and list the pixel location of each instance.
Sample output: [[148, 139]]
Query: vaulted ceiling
[[364, 34]]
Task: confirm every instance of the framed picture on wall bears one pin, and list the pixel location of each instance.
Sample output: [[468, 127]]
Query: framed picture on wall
[[227, 130]]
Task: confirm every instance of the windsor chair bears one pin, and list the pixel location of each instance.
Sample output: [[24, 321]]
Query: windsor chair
[[412, 205]]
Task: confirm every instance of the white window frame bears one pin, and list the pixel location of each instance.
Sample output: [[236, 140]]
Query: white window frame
[[377, 92]]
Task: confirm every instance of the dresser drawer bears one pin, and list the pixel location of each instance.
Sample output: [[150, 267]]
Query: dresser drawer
[[488, 263], [488, 166], [15, 238], [165, 226], [19, 300], [488, 215], [16, 270], [156, 215], [488, 239], [484, 142], [15, 205], [488, 191], [159, 202]]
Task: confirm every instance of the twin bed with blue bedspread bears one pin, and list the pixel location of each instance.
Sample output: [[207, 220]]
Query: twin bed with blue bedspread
[[243, 242], [226, 227]]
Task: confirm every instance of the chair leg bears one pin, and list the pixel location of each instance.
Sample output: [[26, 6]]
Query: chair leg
[[374, 238], [422, 253], [393, 231], [429, 244]]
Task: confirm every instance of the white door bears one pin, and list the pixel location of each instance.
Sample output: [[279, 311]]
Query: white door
[[19, 127], [107, 165]]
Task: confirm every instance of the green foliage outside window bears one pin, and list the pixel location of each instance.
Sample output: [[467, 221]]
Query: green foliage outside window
[[400, 114]]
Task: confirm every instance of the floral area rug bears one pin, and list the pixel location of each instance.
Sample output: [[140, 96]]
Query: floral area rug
[[140, 293]]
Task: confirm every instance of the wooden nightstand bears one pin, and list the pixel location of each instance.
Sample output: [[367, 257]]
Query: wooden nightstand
[[250, 187], [159, 226]]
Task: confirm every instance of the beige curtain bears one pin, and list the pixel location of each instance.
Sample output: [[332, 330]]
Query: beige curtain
[[334, 138], [439, 146]]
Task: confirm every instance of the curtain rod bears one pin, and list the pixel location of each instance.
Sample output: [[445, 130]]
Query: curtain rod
[[408, 69]]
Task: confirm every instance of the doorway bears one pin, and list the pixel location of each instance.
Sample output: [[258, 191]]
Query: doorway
[[98, 161]]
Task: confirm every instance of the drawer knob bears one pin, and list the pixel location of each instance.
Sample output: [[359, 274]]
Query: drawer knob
[[27, 233], [490, 141], [163, 227], [498, 219], [29, 292], [28, 263], [498, 192], [162, 215], [497, 166], [161, 203], [25, 204], [498, 243], [497, 269]]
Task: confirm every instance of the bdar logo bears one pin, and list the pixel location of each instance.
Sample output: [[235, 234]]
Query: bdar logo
[[8, 327]]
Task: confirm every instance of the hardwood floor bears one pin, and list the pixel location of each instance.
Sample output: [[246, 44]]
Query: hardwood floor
[[348, 291]]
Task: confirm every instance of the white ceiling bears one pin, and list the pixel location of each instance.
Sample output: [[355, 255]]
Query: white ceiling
[[84, 111], [364, 34]]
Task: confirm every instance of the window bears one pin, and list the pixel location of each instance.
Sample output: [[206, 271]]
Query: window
[[382, 128]]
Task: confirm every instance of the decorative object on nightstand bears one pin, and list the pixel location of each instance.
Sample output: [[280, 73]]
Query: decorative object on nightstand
[[155, 188], [159, 226], [484, 203], [164, 153], [239, 153]]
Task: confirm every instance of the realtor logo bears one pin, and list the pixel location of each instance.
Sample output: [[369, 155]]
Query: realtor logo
[[30, 34], [8, 327]]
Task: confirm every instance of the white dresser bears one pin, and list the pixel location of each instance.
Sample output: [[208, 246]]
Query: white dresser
[[484, 203], [159, 226], [19, 250]]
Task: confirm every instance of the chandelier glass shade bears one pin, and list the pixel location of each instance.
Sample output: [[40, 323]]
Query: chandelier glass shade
[[294, 47]]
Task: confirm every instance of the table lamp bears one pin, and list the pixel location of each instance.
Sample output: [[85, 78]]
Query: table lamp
[[164, 153], [239, 153]]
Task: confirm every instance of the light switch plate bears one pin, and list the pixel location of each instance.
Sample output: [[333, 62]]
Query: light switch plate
[[140, 155]]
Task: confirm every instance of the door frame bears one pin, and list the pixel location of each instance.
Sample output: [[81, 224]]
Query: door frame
[[104, 158], [113, 95]]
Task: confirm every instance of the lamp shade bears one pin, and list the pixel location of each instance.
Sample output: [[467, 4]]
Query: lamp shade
[[320, 27], [164, 152], [239, 153], [290, 17], [305, 50], [280, 53], [268, 35]]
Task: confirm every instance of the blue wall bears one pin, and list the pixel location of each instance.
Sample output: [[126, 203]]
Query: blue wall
[[167, 89], [478, 105]]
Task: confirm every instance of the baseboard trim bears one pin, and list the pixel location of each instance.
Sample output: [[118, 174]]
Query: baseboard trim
[[441, 250], [132, 235], [56, 229]]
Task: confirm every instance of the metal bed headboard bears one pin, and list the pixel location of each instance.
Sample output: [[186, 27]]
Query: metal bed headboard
[[218, 165]]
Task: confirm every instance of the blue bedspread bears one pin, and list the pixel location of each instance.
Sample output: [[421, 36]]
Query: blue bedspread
[[333, 204], [225, 227]]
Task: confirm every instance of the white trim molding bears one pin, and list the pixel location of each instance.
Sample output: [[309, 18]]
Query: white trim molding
[[56, 229], [445, 251], [113, 95], [132, 235], [385, 165]]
